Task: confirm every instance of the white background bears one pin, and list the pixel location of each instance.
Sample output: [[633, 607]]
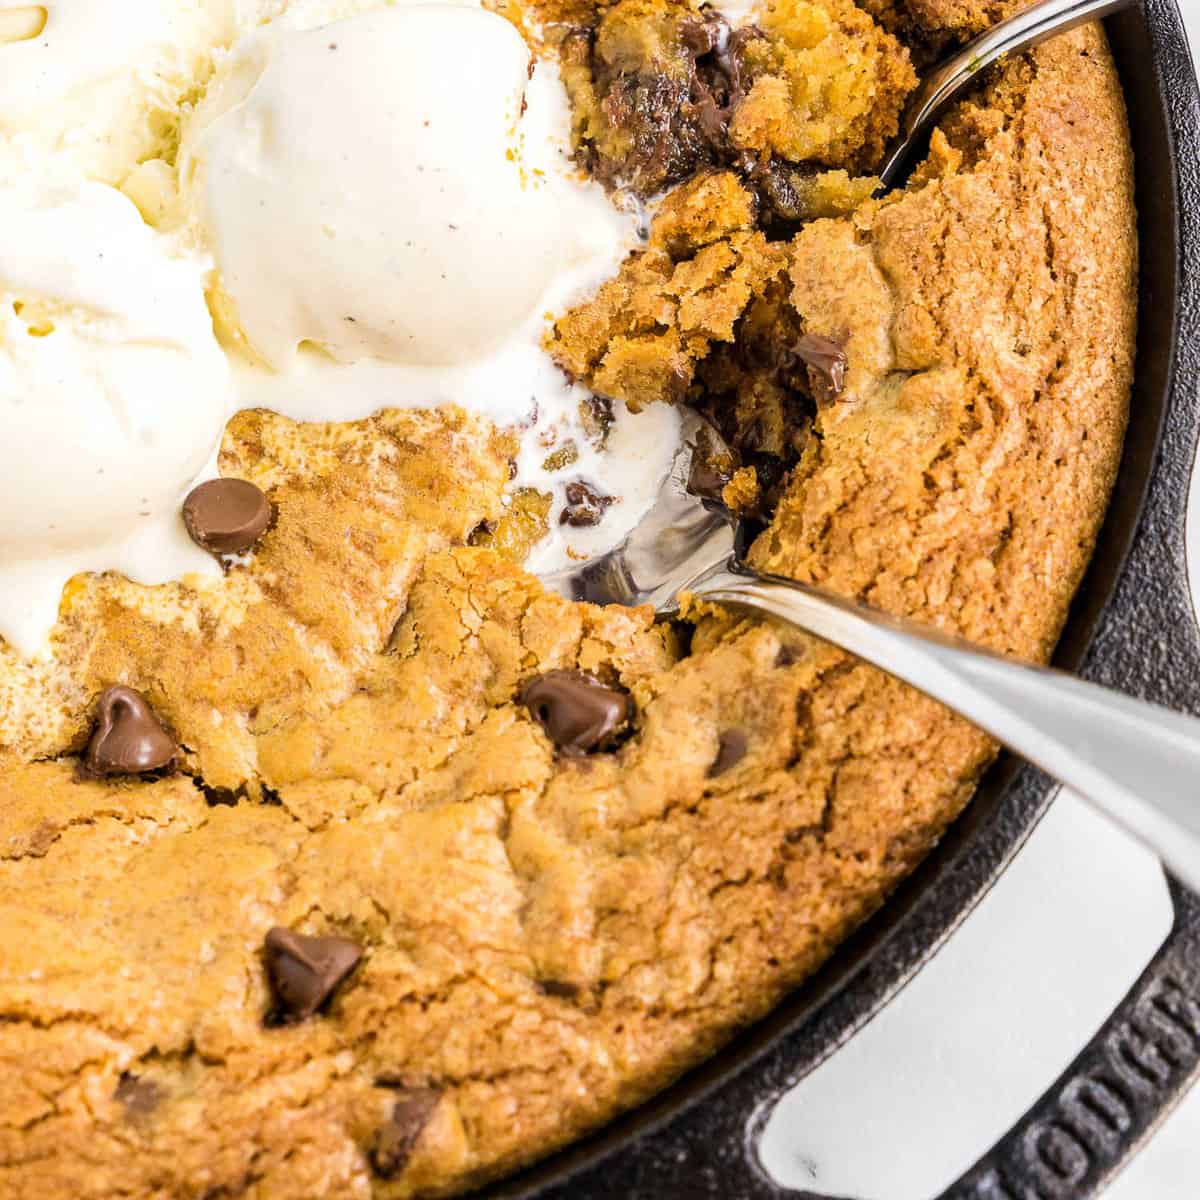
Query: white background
[[912, 1101]]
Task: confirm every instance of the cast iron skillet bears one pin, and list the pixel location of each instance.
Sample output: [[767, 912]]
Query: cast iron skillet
[[1132, 627]]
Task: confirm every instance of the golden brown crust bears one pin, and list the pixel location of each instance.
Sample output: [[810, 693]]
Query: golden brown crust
[[827, 85], [639, 338], [548, 941]]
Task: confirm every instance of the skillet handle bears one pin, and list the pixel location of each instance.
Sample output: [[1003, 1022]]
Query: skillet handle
[[1137, 1067]]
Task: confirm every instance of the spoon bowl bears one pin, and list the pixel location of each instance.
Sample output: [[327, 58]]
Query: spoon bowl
[[677, 541]]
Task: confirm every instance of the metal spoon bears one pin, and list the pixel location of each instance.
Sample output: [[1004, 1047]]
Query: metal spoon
[[1031, 25], [1136, 762]]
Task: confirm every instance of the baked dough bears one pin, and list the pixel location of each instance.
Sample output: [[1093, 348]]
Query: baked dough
[[548, 939]]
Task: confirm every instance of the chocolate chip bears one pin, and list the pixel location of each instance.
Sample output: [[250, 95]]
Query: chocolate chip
[[713, 465], [226, 516], [704, 35], [597, 413], [398, 1137], [718, 85], [585, 505], [826, 366], [304, 972], [139, 1096], [557, 989], [220, 797], [707, 480], [129, 739], [577, 711], [731, 750], [481, 533]]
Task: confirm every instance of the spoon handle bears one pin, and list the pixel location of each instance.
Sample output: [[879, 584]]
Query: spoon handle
[[1136, 762], [1031, 25]]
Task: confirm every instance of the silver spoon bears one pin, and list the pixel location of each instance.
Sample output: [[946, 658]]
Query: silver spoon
[[1136, 762], [1031, 25]]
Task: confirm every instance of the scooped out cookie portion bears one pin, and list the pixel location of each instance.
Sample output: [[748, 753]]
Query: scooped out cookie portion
[[705, 316], [661, 90]]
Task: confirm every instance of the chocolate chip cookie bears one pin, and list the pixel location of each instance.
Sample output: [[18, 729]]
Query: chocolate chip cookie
[[372, 869]]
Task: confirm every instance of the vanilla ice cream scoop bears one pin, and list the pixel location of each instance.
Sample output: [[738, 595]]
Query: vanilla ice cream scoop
[[373, 187], [113, 395], [98, 83]]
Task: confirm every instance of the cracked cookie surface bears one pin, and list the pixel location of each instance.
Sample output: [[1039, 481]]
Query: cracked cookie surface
[[548, 940]]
